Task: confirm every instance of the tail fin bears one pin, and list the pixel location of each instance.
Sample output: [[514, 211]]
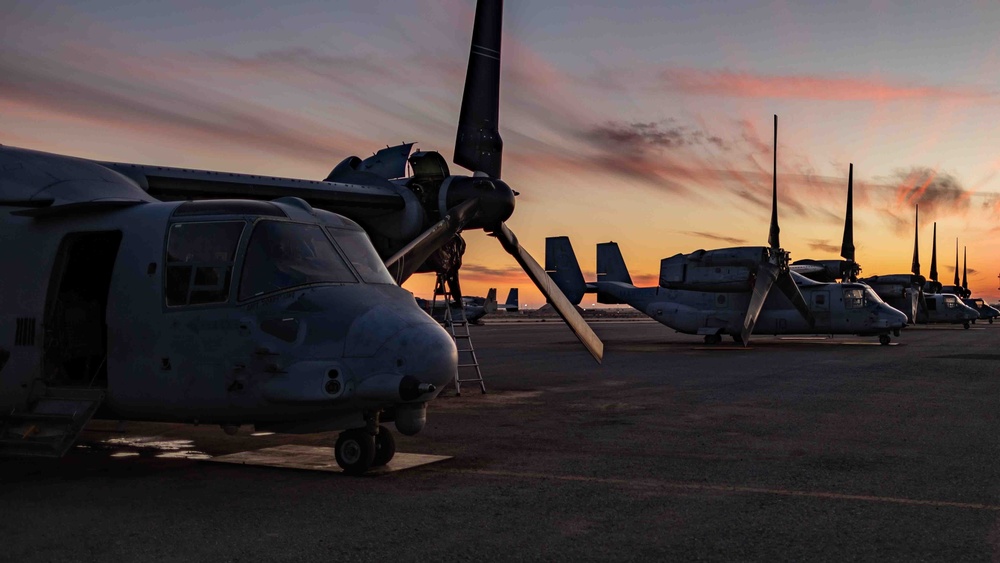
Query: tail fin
[[490, 305], [611, 265], [564, 269], [512, 303]]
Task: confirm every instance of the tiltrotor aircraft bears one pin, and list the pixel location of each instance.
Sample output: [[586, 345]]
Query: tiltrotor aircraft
[[727, 291], [238, 310]]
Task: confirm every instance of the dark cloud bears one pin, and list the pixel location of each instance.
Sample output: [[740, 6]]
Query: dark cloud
[[640, 136], [970, 271], [710, 236]]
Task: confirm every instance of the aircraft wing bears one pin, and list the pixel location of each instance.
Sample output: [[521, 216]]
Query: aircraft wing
[[166, 183]]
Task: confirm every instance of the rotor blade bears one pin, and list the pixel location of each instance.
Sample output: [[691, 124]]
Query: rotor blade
[[956, 263], [408, 259], [551, 292], [965, 268], [934, 272], [847, 247], [772, 237], [915, 267], [787, 286], [767, 273], [478, 146]]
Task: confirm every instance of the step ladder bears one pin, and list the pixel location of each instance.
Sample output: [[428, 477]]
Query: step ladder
[[50, 423], [468, 365]]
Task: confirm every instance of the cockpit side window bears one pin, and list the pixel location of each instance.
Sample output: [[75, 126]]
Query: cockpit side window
[[950, 302], [854, 298], [199, 265], [360, 252], [281, 255]]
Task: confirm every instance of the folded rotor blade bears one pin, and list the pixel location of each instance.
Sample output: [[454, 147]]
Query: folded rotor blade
[[847, 247], [548, 288], [787, 285], [408, 259], [766, 275]]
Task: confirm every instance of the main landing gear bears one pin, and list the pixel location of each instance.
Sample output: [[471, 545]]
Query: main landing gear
[[966, 325], [713, 338], [360, 449], [884, 339]]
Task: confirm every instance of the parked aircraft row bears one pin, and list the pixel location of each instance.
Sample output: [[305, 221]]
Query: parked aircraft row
[[727, 291], [475, 308]]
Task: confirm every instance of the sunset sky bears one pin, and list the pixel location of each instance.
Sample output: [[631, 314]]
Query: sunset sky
[[647, 123]]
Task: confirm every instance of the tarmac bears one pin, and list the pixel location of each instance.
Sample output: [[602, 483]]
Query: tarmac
[[793, 449]]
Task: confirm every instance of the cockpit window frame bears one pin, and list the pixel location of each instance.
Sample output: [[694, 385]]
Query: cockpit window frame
[[172, 266]]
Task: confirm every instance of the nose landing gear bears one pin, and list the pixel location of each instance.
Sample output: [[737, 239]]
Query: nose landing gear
[[360, 449], [884, 339]]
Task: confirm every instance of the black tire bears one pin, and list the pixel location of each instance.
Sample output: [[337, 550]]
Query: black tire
[[355, 451], [991, 320], [966, 325], [738, 339], [385, 447], [884, 339], [712, 339]]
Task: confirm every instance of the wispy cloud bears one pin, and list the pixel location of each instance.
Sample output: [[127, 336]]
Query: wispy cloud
[[749, 84], [713, 236], [824, 246]]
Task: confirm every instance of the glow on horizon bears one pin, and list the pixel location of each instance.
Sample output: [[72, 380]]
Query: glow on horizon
[[648, 124]]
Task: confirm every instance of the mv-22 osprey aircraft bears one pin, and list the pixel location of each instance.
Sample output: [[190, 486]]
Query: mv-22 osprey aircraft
[[122, 295], [728, 291]]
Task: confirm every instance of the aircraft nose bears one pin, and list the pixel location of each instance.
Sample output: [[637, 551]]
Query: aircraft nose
[[426, 352], [896, 319]]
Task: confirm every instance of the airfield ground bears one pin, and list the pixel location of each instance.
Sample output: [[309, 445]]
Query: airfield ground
[[793, 449]]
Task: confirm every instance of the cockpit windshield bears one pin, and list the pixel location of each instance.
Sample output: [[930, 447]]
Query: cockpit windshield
[[282, 255], [979, 303], [871, 297], [359, 251]]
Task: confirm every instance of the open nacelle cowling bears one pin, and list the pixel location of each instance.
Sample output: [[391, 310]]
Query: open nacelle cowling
[[722, 270]]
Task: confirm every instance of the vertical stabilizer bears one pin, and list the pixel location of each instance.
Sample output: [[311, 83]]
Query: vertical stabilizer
[[512, 302], [562, 266], [491, 301], [611, 264]]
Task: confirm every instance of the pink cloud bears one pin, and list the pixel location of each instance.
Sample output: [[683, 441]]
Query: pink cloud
[[745, 84]]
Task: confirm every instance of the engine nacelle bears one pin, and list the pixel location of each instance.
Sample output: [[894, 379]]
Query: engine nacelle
[[723, 270]]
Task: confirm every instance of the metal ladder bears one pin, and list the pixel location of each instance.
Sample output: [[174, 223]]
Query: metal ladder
[[459, 330]]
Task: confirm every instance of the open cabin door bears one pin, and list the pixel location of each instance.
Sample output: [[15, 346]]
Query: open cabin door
[[76, 331]]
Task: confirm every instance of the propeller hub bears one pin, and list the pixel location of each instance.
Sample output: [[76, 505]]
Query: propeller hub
[[496, 199]]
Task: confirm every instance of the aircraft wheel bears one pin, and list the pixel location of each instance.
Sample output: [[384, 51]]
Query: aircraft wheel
[[738, 339], [965, 325], [884, 339], [355, 451], [385, 447], [991, 320], [712, 339]]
